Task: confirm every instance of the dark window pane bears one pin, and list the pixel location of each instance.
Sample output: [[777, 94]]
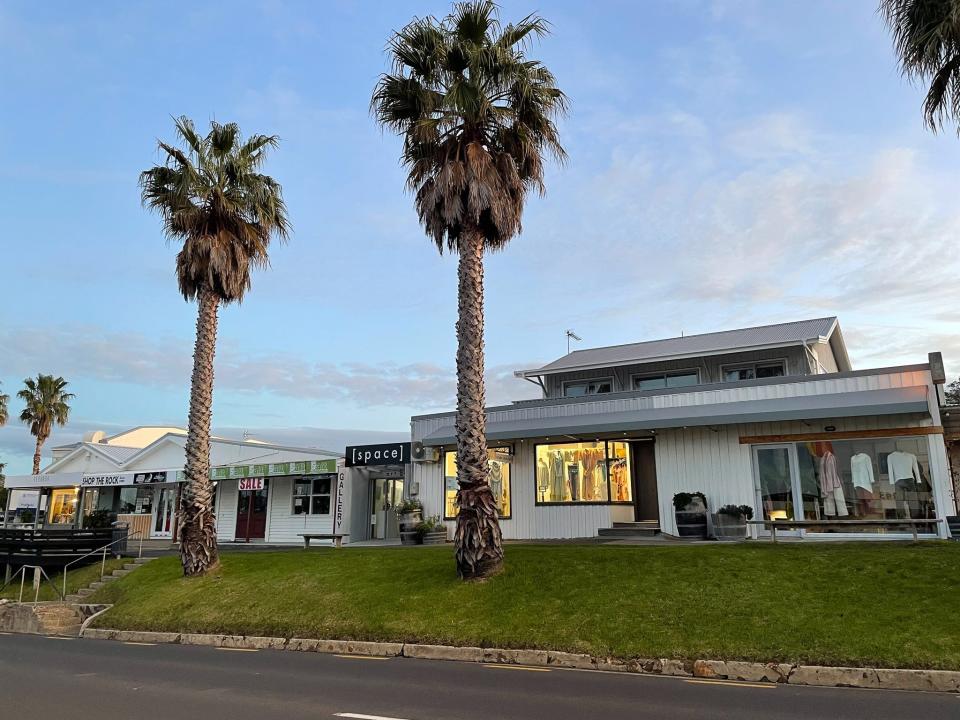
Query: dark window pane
[[738, 374], [321, 505], [649, 383], [681, 380], [301, 505], [603, 387], [765, 371], [321, 486], [301, 487]]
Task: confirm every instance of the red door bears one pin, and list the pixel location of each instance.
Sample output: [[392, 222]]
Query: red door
[[252, 514]]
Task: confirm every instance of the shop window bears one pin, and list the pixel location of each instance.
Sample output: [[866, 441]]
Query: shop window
[[586, 472], [871, 479], [311, 495], [587, 387], [499, 479], [63, 507], [753, 371], [662, 381]]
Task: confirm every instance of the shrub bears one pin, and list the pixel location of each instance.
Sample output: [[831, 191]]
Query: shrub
[[744, 511], [410, 505], [431, 524], [682, 499], [98, 519]]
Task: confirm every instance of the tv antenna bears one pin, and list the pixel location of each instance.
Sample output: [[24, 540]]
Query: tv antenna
[[571, 335]]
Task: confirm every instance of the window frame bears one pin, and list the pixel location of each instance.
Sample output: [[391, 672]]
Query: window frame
[[311, 495], [782, 362], [587, 381], [443, 469], [607, 458], [665, 374]]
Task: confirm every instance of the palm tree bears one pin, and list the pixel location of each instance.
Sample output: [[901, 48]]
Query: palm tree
[[212, 199], [46, 403], [926, 37], [4, 416], [476, 116]]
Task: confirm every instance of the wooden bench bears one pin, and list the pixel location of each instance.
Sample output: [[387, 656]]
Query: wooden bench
[[336, 537], [772, 525]]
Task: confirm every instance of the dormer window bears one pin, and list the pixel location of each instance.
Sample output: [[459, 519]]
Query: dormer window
[[582, 388], [753, 371]]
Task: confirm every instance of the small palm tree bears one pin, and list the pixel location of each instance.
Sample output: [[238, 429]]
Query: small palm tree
[[926, 37], [213, 200], [4, 403], [46, 404], [476, 115]]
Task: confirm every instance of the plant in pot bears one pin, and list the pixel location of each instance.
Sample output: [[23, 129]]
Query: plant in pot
[[691, 514], [730, 522], [432, 532], [410, 515]]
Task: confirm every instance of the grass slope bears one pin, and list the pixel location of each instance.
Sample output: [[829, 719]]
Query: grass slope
[[892, 605], [77, 577]]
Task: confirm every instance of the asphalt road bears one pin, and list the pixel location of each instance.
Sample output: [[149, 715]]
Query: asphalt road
[[51, 678]]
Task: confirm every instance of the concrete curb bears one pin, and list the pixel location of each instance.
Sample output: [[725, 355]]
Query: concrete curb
[[815, 675]]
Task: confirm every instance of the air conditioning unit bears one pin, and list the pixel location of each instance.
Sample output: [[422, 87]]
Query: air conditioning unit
[[422, 454]]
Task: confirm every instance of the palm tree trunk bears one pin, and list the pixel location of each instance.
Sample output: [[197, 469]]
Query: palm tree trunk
[[36, 455], [198, 533], [479, 548]]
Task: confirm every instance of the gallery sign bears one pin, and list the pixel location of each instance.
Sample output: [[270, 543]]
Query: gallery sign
[[389, 454]]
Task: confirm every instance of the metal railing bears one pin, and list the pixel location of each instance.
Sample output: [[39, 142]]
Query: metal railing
[[103, 561], [37, 572]]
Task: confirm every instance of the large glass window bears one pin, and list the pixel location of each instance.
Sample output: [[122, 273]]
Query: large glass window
[[665, 380], [311, 495], [498, 460], [587, 387], [870, 479], [753, 371], [63, 507], [585, 472]]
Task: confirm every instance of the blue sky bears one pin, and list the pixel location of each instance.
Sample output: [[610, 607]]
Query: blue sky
[[731, 162]]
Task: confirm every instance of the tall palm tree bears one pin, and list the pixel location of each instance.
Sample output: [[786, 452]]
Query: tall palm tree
[[926, 38], [4, 402], [46, 404], [477, 120], [212, 199]]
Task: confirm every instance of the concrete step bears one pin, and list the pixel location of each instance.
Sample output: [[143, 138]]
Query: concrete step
[[629, 532], [85, 592], [97, 585], [143, 560], [121, 573], [644, 524], [130, 566], [73, 599]]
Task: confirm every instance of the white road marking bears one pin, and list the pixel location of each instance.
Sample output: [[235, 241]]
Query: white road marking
[[138, 643], [238, 649], [56, 637], [362, 657], [359, 716], [765, 686], [518, 667]]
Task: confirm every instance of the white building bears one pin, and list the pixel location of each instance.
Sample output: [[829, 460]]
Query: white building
[[264, 492], [773, 417]]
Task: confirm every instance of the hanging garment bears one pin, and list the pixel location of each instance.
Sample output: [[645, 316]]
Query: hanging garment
[[543, 479], [590, 458], [861, 467], [496, 484], [831, 489], [557, 480], [618, 478], [903, 466]]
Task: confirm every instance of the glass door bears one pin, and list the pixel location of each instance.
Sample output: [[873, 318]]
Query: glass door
[[387, 494], [776, 482], [163, 512]]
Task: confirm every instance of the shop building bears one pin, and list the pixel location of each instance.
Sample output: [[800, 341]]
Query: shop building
[[264, 492], [773, 417]]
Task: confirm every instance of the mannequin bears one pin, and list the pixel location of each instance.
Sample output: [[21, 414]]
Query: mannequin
[[861, 470], [834, 503]]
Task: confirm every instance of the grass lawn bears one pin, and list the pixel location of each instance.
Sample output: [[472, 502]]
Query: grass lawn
[[77, 577], [882, 604]]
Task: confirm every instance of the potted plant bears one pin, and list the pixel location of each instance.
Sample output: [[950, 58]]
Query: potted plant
[[730, 522], [691, 514], [432, 532], [410, 515]]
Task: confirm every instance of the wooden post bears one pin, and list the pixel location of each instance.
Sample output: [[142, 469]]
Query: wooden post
[[773, 531]]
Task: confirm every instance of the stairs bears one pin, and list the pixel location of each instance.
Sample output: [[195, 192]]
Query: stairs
[[953, 522], [626, 530], [81, 595]]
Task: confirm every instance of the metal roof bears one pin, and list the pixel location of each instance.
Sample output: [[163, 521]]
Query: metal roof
[[805, 407], [117, 453], [765, 336]]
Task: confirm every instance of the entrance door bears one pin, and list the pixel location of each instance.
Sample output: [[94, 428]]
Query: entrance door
[[252, 514], [164, 509], [387, 494], [645, 501], [780, 493]]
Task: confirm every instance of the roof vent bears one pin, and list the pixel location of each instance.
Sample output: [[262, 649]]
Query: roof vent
[[94, 436]]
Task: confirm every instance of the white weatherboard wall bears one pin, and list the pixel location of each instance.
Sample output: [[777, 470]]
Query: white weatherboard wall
[[227, 510]]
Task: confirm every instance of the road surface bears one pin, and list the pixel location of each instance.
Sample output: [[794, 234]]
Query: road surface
[[53, 678]]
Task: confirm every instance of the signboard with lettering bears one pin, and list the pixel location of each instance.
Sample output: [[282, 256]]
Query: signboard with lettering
[[107, 480], [340, 509], [389, 454], [250, 484], [300, 467]]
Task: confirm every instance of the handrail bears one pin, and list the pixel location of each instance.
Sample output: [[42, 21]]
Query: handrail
[[22, 572], [103, 563]]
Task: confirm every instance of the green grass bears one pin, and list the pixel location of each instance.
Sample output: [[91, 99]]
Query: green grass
[[881, 604], [77, 578]]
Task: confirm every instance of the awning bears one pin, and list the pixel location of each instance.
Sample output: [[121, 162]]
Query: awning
[[892, 401]]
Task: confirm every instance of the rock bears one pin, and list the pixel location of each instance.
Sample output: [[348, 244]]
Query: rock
[[834, 676]]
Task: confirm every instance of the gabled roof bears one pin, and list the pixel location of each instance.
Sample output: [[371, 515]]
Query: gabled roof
[[715, 343]]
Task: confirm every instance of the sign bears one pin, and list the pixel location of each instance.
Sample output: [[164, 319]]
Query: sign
[[107, 480], [339, 505], [24, 499], [250, 484], [299, 467], [70, 479], [390, 454], [149, 477]]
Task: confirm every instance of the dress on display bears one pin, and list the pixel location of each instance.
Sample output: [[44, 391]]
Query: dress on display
[[834, 503]]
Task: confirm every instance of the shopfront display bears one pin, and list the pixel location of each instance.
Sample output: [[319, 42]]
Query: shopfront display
[[498, 460], [869, 479], [62, 507], [583, 472]]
